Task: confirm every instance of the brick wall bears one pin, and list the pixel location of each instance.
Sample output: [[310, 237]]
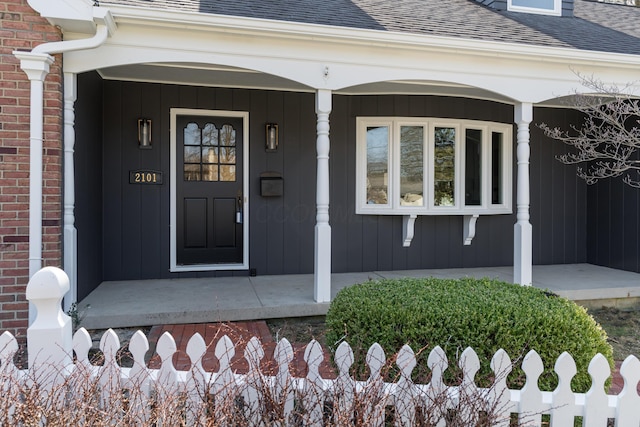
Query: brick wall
[[22, 29]]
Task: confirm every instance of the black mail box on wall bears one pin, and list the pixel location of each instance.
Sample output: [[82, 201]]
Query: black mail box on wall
[[271, 184]]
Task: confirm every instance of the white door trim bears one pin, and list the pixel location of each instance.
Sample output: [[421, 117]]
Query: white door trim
[[174, 267]]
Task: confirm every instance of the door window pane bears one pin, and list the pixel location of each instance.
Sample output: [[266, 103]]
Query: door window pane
[[209, 172], [209, 134], [472, 167], [228, 136], [227, 173], [192, 172], [192, 154], [191, 134], [377, 165], [444, 166], [411, 165], [227, 155], [209, 154], [496, 168]]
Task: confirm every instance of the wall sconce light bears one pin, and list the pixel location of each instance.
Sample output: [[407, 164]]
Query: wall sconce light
[[144, 133], [271, 137]]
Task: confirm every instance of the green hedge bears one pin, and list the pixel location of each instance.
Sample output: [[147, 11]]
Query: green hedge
[[483, 314]]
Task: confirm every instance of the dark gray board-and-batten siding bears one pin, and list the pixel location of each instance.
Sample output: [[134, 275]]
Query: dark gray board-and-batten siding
[[123, 229]]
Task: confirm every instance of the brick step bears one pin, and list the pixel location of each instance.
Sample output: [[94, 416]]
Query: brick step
[[240, 333]]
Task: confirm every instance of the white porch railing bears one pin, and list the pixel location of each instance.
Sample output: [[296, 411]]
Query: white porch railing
[[259, 399]]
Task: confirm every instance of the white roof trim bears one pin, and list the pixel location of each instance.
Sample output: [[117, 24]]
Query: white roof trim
[[337, 58], [302, 31], [70, 15]]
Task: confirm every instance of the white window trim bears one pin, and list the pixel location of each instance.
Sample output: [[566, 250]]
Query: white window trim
[[393, 206], [556, 11]]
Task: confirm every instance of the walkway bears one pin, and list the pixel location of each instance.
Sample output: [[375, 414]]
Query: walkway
[[205, 300]]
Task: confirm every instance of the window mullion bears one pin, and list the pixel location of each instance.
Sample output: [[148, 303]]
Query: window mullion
[[458, 175], [394, 165], [427, 171], [485, 166], [430, 182], [485, 192]]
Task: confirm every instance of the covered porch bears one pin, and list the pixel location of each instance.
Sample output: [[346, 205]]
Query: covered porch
[[199, 300], [127, 65]]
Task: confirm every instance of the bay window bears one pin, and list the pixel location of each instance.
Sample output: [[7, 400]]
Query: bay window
[[432, 166]]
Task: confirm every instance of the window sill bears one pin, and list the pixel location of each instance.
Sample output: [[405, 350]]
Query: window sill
[[422, 211], [409, 217]]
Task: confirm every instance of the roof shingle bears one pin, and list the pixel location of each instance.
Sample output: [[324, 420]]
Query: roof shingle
[[595, 26]]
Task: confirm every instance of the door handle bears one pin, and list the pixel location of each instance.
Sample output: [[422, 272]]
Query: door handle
[[239, 207]]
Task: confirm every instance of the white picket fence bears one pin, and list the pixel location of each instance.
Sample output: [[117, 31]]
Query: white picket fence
[[310, 400]]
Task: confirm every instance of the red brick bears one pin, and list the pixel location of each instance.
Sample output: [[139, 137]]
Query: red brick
[[15, 239], [15, 289], [13, 91], [7, 315], [14, 271], [4, 134], [15, 110], [7, 101], [9, 119], [14, 190], [7, 298], [15, 174], [15, 306], [4, 200], [16, 44], [7, 324], [14, 223], [29, 35]]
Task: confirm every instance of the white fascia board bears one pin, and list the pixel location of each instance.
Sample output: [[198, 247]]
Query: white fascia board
[[70, 15], [300, 31]]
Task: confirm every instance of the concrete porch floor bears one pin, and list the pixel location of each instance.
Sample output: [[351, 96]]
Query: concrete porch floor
[[199, 300]]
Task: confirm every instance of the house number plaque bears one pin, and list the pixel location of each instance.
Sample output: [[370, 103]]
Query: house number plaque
[[145, 177]]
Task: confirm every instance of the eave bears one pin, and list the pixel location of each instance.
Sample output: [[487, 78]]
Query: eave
[[365, 37]]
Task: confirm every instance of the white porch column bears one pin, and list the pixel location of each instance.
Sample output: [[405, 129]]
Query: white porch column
[[322, 262], [36, 66], [70, 232], [523, 234]]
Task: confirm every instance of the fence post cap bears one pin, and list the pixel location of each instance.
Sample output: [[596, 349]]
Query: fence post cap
[[39, 286]]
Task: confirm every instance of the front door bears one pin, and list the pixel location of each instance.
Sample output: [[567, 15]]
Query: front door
[[209, 199]]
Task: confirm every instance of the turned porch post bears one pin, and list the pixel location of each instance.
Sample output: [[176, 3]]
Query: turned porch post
[[322, 261], [523, 234], [70, 232]]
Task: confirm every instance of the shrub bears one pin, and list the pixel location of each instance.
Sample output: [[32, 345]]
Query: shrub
[[483, 314]]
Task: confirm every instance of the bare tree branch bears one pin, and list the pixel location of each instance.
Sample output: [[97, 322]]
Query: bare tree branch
[[608, 141]]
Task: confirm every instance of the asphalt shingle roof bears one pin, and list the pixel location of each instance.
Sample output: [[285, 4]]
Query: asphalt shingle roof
[[595, 26]]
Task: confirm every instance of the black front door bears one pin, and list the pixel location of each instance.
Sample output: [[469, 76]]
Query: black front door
[[209, 190]]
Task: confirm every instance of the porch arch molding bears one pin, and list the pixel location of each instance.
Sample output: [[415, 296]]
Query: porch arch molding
[[311, 74]]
